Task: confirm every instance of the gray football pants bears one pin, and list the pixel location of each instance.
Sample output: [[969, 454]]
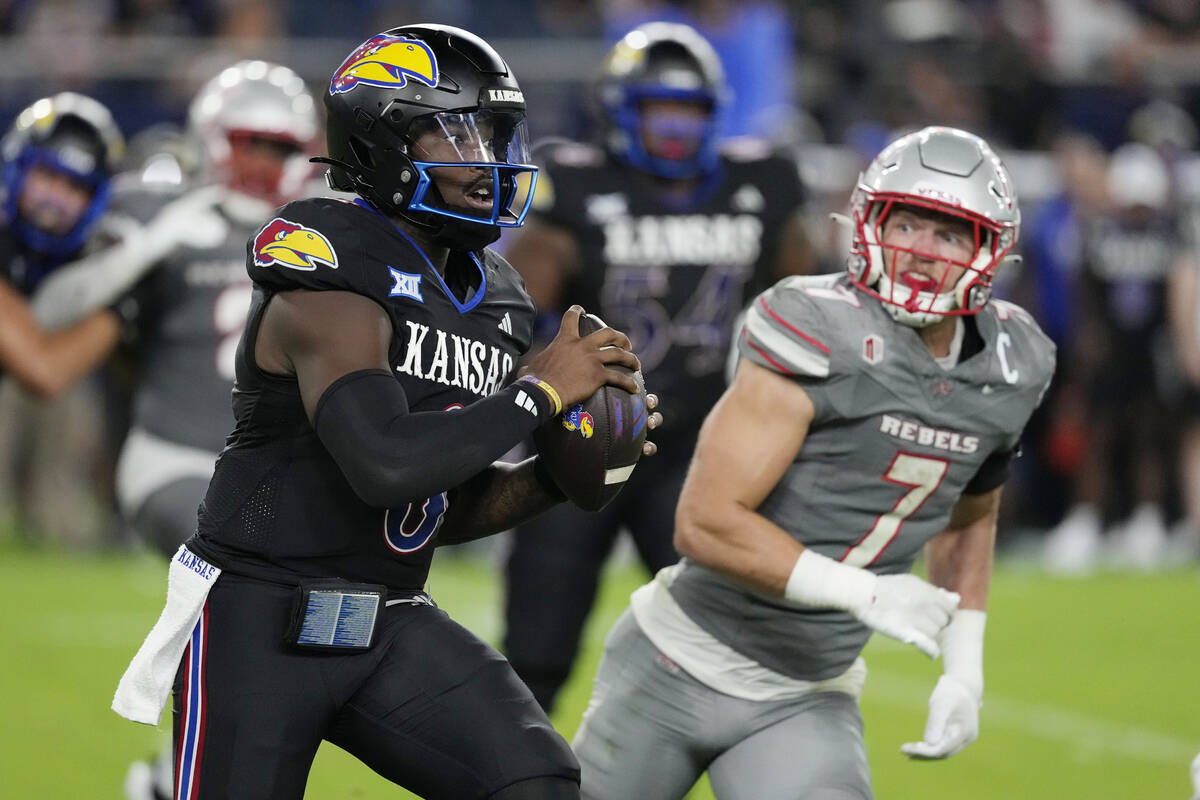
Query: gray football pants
[[167, 517], [651, 729]]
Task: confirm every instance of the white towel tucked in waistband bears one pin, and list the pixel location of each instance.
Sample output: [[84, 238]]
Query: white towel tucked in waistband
[[143, 690]]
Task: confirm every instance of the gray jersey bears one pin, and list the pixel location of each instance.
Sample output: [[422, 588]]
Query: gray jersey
[[894, 442], [193, 310]]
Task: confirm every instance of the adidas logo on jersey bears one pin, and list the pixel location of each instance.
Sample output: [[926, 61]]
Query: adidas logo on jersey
[[506, 324], [526, 402]]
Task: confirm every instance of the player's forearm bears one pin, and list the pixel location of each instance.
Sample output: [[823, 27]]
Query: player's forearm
[[48, 363], [392, 457], [498, 498], [960, 559], [95, 281], [738, 543]]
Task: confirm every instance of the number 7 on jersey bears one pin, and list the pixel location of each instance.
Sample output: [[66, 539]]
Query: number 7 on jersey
[[922, 475]]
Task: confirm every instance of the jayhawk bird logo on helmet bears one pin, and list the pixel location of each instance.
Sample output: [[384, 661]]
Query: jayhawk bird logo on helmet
[[386, 60]]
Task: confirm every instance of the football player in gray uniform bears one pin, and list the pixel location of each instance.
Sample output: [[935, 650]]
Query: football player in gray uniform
[[873, 413]]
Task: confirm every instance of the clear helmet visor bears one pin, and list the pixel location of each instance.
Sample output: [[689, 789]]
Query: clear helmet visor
[[473, 166]]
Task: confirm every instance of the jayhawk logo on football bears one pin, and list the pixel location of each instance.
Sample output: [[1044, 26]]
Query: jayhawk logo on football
[[576, 419], [290, 244], [386, 60]]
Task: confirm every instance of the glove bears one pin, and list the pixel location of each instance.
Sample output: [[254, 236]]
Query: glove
[[909, 609], [190, 220], [953, 722], [901, 606]]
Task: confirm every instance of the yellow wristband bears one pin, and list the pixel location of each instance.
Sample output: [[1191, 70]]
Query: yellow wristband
[[548, 389]]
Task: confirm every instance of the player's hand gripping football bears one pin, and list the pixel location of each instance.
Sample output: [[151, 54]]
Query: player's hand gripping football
[[577, 366], [953, 721], [909, 609]]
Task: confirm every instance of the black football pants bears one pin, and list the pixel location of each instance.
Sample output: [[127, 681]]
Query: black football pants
[[553, 570], [430, 706]]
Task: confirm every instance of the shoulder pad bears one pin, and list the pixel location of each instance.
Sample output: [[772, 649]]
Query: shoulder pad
[[308, 244], [1025, 336], [783, 326], [564, 153], [747, 148], [141, 203]]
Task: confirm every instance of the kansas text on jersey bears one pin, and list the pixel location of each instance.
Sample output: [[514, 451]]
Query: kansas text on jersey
[[278, 504]]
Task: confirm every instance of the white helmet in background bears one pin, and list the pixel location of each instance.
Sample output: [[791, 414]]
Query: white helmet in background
[[263, 101], [1138, 176], [943, 170]]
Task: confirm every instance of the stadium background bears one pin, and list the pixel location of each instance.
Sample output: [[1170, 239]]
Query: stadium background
[[1091, 689]]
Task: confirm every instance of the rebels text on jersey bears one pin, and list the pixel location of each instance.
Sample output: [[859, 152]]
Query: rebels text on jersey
[[672, 275], [278, 503], [895, 441]]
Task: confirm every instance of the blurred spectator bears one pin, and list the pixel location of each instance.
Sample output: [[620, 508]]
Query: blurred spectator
[[1124, 362], [1184, 309], [1056, 436]]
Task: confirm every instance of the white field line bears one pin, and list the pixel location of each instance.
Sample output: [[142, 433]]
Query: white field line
[[1089, 736]]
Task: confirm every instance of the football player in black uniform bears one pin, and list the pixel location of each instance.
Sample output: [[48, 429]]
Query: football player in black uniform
[[371, 398], [665, 234], [58, 159]]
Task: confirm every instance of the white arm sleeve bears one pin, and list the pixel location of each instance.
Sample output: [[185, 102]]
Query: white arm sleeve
[[98, 280], [95, 281]]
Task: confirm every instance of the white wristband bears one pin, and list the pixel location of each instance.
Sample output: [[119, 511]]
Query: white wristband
[[962, 648], [819, 581]]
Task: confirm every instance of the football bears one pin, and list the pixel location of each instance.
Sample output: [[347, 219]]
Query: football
[[592, 447]]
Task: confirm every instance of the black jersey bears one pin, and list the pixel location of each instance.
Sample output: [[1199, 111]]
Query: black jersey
[[673, 276], [278, 505], [22, 269], [1125, 270]]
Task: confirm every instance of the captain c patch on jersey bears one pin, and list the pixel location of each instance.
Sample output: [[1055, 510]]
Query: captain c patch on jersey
[[292, 245]]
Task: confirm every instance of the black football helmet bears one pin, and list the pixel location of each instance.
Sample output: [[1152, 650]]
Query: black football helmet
[[72, 134], [662, 61], [406, 84]]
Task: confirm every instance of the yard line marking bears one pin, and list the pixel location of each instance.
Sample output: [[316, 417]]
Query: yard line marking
[[1089, 735]]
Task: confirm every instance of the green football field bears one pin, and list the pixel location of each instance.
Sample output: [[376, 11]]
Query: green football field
[[1093, 686]]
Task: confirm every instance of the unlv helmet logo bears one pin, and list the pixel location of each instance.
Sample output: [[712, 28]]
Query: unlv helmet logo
[[292, 245], [387, 61]]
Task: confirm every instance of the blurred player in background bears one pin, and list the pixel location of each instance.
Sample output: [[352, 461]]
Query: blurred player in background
[[665, 235], [58, 160], [372, 378], [872, 413], [257, 124]]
